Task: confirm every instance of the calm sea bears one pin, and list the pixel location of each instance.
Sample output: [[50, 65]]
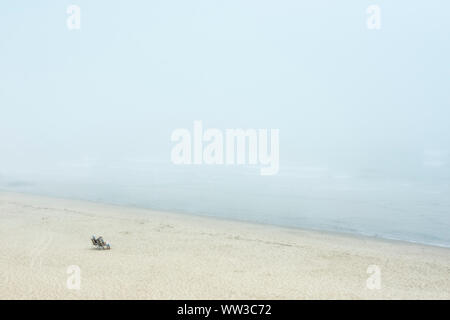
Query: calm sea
[[411, 208]]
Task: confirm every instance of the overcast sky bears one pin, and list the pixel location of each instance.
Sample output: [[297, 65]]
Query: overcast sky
[[137, 70]]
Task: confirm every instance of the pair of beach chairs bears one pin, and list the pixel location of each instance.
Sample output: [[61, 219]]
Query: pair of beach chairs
[[99, 243]]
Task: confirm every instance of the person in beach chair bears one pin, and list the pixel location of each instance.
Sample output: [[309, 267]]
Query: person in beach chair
[[100, 243], [94, 240]]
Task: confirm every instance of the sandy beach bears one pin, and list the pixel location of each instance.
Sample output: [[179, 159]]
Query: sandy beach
[[160, 255]]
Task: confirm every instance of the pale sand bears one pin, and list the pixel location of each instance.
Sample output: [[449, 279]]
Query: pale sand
[[157, 255]]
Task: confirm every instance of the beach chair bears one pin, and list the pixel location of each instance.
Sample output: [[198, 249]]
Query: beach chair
[[99, 243], [104, 245], [94, 241]]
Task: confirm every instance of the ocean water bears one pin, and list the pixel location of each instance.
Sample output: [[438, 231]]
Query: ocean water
[[366, 202]]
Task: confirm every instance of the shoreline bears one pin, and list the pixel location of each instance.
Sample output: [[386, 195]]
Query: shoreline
[[168, 255], [356, 235]]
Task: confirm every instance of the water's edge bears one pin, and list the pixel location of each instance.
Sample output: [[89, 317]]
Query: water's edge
[[355, 234]]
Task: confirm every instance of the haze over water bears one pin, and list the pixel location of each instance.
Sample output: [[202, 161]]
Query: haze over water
[[362, 202], [363, 114]]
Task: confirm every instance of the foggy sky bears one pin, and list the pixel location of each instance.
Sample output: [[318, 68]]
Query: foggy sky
[[340, 94]]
